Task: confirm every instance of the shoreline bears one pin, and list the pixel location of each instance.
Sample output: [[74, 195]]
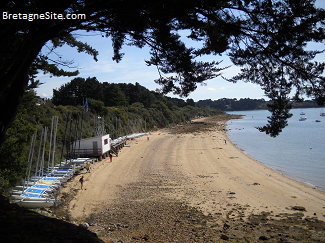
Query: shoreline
[[206, 164], [182, 182], [285, 179], [277, 168]]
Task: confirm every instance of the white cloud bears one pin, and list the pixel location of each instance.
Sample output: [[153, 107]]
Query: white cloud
[[222, 88], [101, 66], [211, 89]]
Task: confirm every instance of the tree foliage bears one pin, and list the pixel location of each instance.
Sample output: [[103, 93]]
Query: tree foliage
[[13, 156], [225, 104], [79, 89], [267, 39]]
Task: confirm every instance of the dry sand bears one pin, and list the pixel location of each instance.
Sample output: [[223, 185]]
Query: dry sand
[[197, 169]]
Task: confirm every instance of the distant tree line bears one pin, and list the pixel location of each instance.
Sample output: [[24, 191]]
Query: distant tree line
[[226, 104]]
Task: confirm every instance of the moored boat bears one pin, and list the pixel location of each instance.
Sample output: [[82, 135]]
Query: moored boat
[[35, 204]]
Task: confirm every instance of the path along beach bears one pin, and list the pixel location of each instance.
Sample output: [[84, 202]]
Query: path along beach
[[194, 165]]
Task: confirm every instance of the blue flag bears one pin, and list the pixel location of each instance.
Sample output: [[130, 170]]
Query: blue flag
[[86, 105]]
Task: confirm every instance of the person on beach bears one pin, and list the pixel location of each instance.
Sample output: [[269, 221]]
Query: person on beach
[[88, 167], [81, 180], [225, 141], [110, 157]]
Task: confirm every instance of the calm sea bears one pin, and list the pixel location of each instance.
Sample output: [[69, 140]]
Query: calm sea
[[298, 152]]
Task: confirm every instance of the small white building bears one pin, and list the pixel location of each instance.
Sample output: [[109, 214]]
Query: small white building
[[95, 146]]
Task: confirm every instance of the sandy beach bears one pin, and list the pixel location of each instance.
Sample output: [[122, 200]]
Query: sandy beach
[[199, 169]]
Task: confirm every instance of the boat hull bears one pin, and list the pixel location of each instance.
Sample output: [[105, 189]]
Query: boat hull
[[35, 204]]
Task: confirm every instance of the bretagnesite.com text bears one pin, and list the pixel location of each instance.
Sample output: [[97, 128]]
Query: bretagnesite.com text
[[43, 16]]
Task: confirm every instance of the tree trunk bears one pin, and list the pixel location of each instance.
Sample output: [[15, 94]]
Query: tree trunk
[[12, 95]]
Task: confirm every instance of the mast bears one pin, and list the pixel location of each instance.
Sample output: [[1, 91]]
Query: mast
[[54, 138]]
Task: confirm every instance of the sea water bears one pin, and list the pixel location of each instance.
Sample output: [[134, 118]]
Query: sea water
[[299, 150]]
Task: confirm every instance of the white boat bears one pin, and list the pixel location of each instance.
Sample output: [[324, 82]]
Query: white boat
[[28, 198], [31, 192], [15, 192], [37, 190], [51, 179], [49, 182], [322, 113], [302, 113], [31, 203], [31, 197], [38, 185], [35, 204], [302, 118]]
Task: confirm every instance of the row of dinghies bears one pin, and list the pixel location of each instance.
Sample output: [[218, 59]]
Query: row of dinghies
[[41, 187], [40, 190]]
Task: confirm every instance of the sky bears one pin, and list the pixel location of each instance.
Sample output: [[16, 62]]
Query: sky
[[132, 68]]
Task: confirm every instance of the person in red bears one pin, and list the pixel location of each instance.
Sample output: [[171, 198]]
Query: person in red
[[110, 157]]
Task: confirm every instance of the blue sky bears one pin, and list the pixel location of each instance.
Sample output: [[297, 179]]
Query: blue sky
[[133, 69]]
